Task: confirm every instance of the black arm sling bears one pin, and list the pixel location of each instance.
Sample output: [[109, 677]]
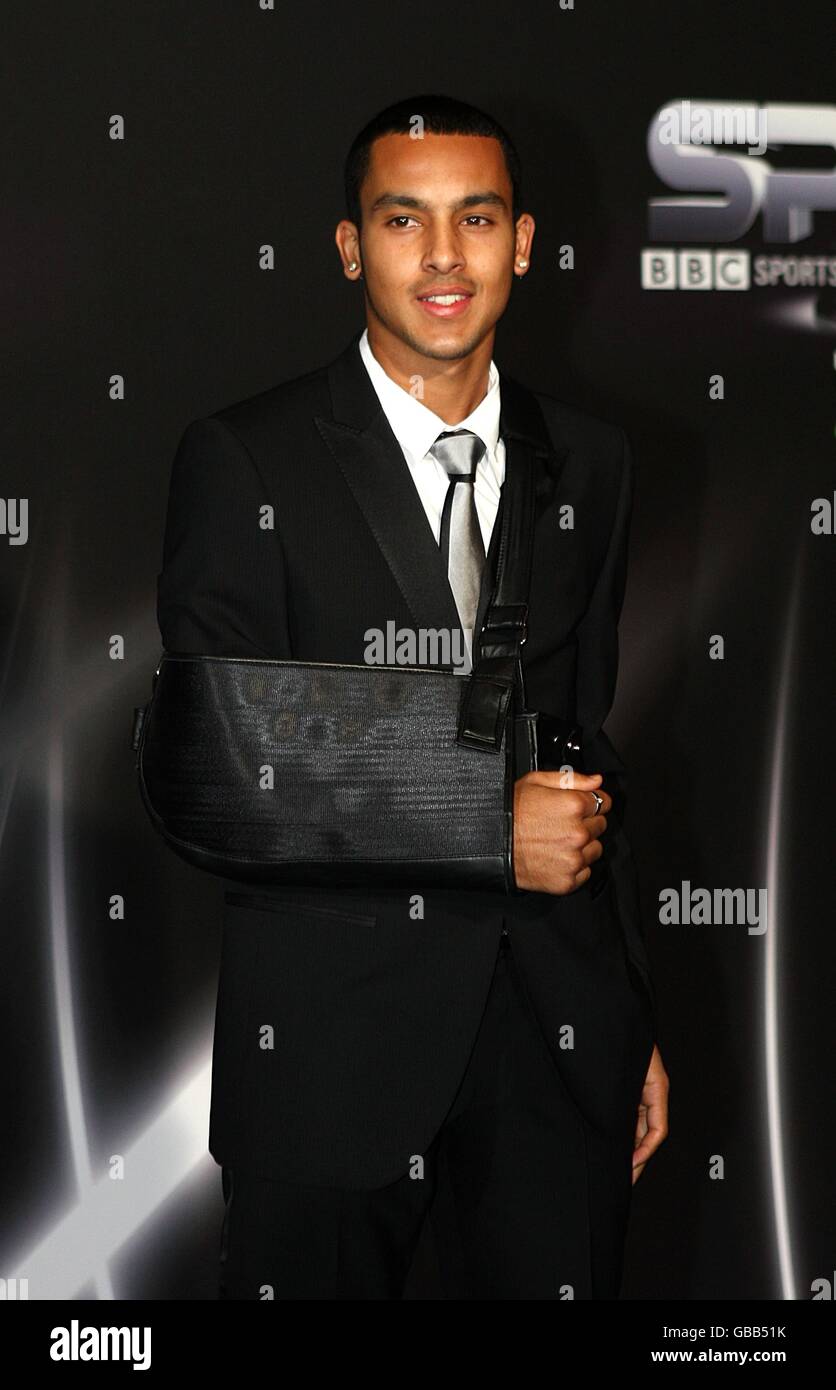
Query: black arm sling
[[293, 772]]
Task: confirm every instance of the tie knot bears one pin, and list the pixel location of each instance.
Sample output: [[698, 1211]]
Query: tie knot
[[458, 451]]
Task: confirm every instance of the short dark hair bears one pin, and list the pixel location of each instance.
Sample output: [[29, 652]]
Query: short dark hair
[[441, 115]]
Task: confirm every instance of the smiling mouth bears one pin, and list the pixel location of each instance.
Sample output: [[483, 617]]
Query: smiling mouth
[[442, 306], [443, 298]]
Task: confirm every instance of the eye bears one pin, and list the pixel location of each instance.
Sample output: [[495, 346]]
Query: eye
[[478, 217], [401, 217]]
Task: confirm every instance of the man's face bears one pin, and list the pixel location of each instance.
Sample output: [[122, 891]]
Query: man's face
[[437, 219]]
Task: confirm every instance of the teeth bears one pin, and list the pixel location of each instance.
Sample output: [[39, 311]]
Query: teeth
[[443, 298]]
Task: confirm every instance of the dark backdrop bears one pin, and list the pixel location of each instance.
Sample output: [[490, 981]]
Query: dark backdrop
[[139, 257]]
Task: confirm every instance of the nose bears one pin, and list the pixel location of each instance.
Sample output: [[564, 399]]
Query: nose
[[444, 253]]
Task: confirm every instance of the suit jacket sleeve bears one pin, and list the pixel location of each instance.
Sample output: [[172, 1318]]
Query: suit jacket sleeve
[[222, 589], [596, 680]]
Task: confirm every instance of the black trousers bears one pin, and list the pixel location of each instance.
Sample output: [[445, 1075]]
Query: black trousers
[[508, 1183]]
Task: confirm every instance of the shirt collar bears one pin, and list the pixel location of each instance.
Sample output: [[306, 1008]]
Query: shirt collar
[[414, 425]]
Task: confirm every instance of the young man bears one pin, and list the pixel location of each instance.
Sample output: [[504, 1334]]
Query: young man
[[493, 1063]]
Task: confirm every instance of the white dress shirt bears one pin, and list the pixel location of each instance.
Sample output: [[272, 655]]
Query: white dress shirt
[[416, 429]]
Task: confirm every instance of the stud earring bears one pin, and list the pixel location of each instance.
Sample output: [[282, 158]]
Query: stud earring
[[523, 264], [352, 265]]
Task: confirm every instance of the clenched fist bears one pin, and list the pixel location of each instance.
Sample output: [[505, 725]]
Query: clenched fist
[[556, 829]]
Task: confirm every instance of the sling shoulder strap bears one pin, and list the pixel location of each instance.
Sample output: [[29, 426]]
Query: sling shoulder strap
[[497, 649]]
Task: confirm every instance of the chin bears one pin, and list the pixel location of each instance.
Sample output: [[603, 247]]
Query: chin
[[446, 347]]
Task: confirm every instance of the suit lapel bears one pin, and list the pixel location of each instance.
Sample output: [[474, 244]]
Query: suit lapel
[[371, 461]]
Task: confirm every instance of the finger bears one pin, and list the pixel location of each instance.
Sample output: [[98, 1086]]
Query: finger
[[649, 1145], [637, 1172], [593, 851], [596, 825], [590, 853], [553, 777], [606, 803]]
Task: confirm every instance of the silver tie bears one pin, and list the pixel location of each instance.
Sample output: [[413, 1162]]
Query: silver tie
[[460, 541]]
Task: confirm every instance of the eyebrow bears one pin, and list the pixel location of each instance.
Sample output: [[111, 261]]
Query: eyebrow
[[406, 200]]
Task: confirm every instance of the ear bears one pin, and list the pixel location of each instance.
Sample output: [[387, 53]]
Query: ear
[[522, 244], [347, 237]]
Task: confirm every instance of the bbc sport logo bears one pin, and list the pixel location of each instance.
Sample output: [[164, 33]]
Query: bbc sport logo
[[695, 270], [712, 156]]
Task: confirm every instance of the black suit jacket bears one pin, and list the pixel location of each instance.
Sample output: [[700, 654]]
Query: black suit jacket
[[374, 1004]]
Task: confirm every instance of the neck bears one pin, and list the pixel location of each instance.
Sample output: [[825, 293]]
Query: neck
[[452, 389]]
